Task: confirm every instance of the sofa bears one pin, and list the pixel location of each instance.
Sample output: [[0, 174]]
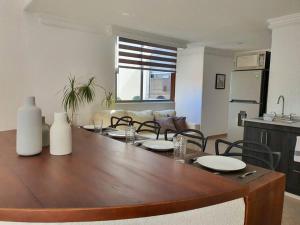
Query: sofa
[[139, 116]]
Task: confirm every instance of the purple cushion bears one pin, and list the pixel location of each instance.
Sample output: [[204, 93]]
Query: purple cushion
[[166, 123], [180, 123]]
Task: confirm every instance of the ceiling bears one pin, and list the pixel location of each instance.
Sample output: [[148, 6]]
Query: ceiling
[[228, 24]]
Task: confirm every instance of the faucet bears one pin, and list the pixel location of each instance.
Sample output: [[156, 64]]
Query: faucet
[[278, 101]]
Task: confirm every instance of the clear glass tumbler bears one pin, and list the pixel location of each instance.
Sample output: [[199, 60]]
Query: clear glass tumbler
[[179, 148], [130, 134], [98, 126]]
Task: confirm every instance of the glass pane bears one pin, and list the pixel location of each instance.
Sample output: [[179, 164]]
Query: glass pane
[[128, 85], [156, 85]]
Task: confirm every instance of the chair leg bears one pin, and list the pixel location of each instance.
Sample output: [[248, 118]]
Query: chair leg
[[204, 144]]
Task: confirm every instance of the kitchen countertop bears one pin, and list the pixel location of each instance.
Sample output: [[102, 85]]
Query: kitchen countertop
[[260, 120], [104, 179]]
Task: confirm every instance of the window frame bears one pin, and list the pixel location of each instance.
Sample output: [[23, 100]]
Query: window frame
[[172, 90], [172, 85]]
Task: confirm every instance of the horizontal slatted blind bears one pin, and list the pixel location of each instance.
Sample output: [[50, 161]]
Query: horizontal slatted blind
[[148, 56]]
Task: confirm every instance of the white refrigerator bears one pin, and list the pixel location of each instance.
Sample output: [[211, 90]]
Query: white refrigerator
[[248, 99]]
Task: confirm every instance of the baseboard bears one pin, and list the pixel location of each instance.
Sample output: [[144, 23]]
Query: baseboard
[[218, 136], [292, 195]]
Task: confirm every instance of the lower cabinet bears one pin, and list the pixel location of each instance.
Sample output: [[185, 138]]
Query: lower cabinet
[[293, 175], [293, 178], [280, 139], [276, 140]]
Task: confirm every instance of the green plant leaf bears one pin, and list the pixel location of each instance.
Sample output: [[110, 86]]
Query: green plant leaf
[[71, 98], [87, 91]]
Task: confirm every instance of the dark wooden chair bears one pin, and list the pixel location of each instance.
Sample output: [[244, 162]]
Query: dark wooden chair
[[251, 152], [194, 137], [120, 121], [147, 126]]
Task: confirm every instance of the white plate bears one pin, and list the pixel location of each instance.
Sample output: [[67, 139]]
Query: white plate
[[221, 163], [92, 127], [117, 134], [159, 145], [89, 127]]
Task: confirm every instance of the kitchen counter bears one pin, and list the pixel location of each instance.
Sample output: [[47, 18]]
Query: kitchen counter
[[103, 179], [260, 120]]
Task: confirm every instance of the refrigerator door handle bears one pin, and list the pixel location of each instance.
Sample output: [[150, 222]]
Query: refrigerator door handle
[[244, 101]]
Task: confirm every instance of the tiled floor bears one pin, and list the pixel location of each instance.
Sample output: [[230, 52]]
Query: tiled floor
[[291, 209]]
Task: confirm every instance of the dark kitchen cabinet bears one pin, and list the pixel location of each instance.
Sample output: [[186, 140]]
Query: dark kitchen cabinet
[[293, 178], [293, 174], [276, 140], [280, 139]]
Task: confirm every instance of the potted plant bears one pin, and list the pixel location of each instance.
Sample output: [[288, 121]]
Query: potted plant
[[75, 94], [108, 100]]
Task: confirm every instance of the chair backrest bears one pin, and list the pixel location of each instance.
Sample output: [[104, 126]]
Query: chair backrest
[[193, 136], [148, 126], [251, 152], [120, 121], [167, 132]]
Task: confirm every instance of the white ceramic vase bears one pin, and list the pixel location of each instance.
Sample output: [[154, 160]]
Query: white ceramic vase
[[60, 135], [29, 128]]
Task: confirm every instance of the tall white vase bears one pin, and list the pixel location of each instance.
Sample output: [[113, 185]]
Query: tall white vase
[[29, 128], [60, 135]]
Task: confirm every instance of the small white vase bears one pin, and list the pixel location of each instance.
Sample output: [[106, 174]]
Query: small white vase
[[29, 129], [60, 135]]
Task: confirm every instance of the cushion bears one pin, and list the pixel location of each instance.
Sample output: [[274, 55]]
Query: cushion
[[164, 114], [104, 116], [118, 113], [166, 123], [141, 116], [180, 123]]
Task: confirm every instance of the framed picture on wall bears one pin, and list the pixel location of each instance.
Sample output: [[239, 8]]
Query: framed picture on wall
[[220, 81]]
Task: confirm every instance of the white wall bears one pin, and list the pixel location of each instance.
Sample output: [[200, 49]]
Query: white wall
[[196, 96], [36, 59], [189, 78], [285, 68], [12, 77], [214, 118]]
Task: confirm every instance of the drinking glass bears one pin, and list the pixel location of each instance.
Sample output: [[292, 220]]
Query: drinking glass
[[179, 148], [130, 134], [98, 126]]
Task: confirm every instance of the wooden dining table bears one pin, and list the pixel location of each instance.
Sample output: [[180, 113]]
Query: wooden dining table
[[106, 179], [265, 188]]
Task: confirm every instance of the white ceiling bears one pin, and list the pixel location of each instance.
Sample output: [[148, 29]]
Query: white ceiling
[[229, 24]]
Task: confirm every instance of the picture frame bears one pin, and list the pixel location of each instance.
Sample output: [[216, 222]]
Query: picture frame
[[220, 81]]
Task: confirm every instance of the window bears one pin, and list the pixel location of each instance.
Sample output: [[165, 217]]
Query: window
[[145, 71]]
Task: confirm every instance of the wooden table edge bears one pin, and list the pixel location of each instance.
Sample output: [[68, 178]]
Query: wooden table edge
[[270, 190], [114, 213], [130, 211]]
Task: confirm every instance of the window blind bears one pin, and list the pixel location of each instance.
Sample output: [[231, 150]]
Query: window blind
[[136, 54]]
